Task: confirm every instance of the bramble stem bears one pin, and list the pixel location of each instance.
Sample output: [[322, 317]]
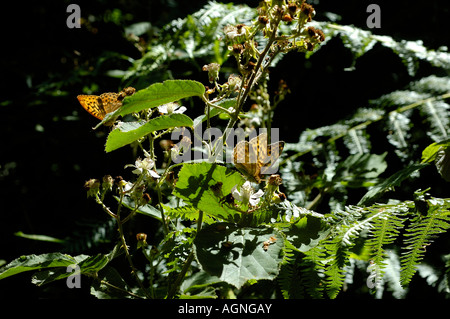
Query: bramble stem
[[187, 263], [127, 254]]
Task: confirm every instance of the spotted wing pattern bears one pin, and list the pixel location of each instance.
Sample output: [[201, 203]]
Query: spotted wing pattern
[[105, 103], [255, 158]]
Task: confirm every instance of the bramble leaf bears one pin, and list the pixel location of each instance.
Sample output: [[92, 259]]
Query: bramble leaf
[[128, 132], [204, 185], [161, 93], [236, 255]]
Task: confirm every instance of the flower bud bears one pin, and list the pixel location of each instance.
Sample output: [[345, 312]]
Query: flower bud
[[234, 82], [166, 144], [142, 240], [92, 186], [287, 18], [263, 20], [238, 48], [275, 180], [141, 237], [306, 15], [120, 182], [145, 199], [292, 7], [278, 198], [108, 183], [213, 71]]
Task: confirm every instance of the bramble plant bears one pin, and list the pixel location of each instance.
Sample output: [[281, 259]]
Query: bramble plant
[[228, 219]]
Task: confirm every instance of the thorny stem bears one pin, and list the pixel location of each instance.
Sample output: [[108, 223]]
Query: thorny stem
[[247, 87], [187, 263], [127, 254], [120, 289], [161, 209], [122, 238]]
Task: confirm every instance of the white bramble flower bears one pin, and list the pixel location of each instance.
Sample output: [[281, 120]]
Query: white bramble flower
[[247, 195], [144, 167], [127, 187], [170, 108]]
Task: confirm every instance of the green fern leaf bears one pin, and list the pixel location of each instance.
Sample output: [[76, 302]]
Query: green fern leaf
[[438, 115], [385, 229], [301, 275], [335, 268], [313, 272], [420, 234]]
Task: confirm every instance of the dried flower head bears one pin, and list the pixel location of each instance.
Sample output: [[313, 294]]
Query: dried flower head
[[213, 71], [92, 186]]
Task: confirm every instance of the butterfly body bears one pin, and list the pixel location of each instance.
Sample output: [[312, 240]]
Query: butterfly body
[[255, 158]]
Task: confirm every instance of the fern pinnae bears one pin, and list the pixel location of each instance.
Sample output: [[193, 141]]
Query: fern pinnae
[[438, 113], [420, 234], [385, 229], [312, 272]]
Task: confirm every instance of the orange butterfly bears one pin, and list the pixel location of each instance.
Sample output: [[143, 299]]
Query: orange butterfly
[[255, 158], [100, 105]]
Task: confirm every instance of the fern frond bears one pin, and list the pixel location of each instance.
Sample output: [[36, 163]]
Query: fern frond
[[400, 125], [287, 275], [301, 274], [420, 234], [386, 226], [361, 41], [334, 269], [438, 115], [391, 277], [337, 246], [383, 222], [313, 272]]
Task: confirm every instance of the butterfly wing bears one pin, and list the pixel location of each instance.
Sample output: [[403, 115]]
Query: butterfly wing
[[273, 153], [256, 158], [93, 104], [110, 102], [243, 155]]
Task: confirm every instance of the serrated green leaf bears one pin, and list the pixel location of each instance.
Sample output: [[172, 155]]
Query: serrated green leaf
[[203, 185], [128, 132], [430, 152], [38, 262], [394, 180], [89, 265], [307, 232], [102, 291], [161, 93], [236, 255]]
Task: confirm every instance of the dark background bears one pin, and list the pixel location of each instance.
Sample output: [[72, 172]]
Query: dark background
[[49, 150]]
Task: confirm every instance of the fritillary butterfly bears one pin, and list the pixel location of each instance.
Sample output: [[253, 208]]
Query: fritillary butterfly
[[255, 158], [100, 105]]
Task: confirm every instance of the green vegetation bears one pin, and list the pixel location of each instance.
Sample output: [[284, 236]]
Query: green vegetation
[[359, 206]]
